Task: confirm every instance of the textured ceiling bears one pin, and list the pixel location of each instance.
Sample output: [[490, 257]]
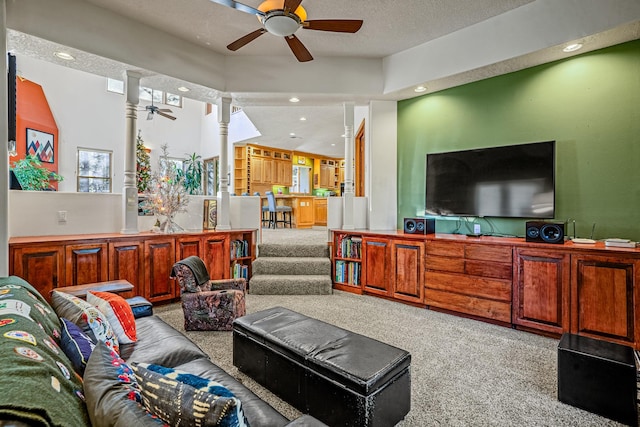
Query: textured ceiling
[[389, 27]]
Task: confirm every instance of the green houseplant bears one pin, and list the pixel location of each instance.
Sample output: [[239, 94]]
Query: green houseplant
[[192, 174], [32, 175]]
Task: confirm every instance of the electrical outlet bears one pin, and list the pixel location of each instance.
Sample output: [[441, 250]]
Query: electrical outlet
[[62, 216], [477, 229]]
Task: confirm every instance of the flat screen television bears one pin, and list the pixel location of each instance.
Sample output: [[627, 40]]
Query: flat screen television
[[515, 181]]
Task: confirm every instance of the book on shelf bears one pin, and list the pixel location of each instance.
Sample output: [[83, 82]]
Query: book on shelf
[[347, 272], [349, 247], [239, 249], [240, 271]]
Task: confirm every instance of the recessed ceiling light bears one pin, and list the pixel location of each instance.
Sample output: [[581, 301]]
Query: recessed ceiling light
[[572, 47], [183, 89], [292, 134], [333, 145], [420, 89], [64, 55], [303, 119], [294, 99]]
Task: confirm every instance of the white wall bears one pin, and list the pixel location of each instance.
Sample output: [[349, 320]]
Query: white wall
[[382, 159], [88, 116]]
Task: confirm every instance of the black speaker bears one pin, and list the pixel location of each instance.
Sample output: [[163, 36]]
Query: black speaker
[[544, 232], [419, 225]]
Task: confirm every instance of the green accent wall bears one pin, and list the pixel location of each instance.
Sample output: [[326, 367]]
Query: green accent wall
[[589, 104]]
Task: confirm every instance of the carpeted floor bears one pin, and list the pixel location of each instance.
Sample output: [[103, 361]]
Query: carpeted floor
[[315, 235], [463, 372]]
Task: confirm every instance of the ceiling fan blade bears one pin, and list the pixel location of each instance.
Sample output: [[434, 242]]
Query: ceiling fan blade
[[291, 5], [239, 6], [165, 110], [165, 115], [335, 25], [246, 39], [298, 49]]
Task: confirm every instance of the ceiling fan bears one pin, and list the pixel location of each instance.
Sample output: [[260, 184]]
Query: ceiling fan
[[152, 109], [283, 18]]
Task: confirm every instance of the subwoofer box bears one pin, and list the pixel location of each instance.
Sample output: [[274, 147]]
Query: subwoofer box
[[419, 225], [544, 232], [598, 376]]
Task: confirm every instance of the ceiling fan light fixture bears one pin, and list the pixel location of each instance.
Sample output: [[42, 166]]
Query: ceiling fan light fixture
[[280, 23], [150, 115], [271, 5]]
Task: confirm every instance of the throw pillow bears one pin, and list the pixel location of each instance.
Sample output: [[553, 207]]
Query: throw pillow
[[76, 345], [118, 312], [174, 399], [38, 384], [91, 320], [112, 392]]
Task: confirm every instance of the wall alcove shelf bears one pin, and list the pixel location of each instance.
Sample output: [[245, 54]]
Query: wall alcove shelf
[[539, 287]]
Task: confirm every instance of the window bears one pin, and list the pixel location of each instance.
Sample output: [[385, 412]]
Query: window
[[116, 86], [148, 94], [211, 186], [173, 99], [94, 171]]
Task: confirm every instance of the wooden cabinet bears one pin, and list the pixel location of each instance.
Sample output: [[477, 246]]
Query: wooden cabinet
[[407, 260], [469, 278], [603, 298], [257, 168], [41, 265], [145, 259], [86, 263], [541, 289], [303, 212], [376, 265], [320, 211], [126, 258], [159, 255]]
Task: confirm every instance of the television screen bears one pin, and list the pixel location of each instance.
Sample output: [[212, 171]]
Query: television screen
[[515, 181]]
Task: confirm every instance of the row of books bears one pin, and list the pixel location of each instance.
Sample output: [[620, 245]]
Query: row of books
[[348, 272], [240, 271], [239, 249], [349, 247]]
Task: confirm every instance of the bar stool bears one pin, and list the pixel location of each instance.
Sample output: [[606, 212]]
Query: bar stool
[[274, 210]]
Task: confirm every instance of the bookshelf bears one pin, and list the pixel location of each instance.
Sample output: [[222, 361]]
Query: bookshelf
[[241, 254], [347, 262]]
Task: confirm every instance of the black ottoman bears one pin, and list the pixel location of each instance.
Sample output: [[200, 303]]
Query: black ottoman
[[598, 376], [339, 377]]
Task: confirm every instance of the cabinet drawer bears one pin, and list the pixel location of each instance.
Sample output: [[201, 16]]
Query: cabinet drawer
[[476, 286], [496, 310], [488, 253], [441, 263], [496, 270], [449, 249]]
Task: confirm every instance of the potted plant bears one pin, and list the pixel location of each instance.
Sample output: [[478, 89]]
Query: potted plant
[[32, 175], [192, 174]]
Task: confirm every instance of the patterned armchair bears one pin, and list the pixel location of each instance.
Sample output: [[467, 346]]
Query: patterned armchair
[[208, 305]]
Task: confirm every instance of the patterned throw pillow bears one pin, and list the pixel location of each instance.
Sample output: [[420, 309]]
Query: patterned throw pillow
[[180, 398], [91, 320], [76, 345], [112, 392], [118, 312]]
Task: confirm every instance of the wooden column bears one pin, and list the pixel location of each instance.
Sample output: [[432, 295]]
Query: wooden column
[[347, 197], [224, 116], [130, 189]]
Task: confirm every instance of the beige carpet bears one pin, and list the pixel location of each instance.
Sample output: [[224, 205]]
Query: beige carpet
[[463, 372]]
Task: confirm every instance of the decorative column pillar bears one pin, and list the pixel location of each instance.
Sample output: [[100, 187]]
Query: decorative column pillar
[[4, 151], [224, 117], [130, 189], [347, 197]]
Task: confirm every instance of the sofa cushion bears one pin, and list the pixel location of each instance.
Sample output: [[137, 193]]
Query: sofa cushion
[[91, 320], [39, 386], [160, 344], [112, 392], [118, 312], [76, 345], [174, 398]]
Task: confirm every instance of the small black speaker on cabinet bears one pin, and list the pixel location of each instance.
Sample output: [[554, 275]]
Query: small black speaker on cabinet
[[419, 225], [544, 232]]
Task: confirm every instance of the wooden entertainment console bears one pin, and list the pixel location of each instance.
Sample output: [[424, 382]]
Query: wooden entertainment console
[[588, 290], [144, 259]]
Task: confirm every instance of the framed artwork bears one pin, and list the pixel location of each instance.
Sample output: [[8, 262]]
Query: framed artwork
[[210, 217], [40, 145]]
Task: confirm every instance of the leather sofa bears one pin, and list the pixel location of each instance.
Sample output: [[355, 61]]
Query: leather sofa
[[157, 343]]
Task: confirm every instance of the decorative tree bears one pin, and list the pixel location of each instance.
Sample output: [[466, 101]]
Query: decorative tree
[[143, 165], [166, 194]]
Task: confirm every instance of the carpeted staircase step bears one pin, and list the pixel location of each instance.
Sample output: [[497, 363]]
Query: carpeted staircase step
[[292, 266], [271, 250], [270, 284]]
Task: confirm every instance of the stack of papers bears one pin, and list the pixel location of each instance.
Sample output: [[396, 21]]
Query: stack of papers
[[620, 243]]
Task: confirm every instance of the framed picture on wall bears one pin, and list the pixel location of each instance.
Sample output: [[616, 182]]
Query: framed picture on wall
[[210, 216], [40, 145]]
